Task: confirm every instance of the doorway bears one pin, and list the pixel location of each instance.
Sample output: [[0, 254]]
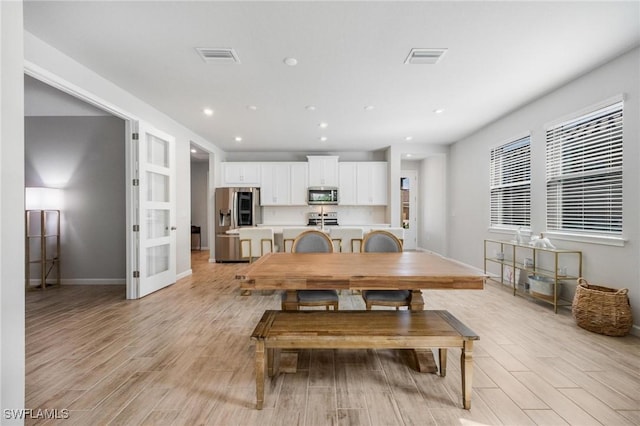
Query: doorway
[[148, 177], [408, 207], [79, 149]]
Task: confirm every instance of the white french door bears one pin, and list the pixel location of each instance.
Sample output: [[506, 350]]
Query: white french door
[[153, 215]]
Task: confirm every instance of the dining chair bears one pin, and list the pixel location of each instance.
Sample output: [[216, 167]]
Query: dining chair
[[398, 232], [346, 240], [312, 241], [288, 237], [383, 241]]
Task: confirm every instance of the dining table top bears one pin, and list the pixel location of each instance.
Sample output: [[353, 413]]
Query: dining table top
[[359, 271]]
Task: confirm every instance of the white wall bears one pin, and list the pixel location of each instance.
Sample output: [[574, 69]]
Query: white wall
[[12, 339], [432, 226], [47, 63], [616, 267], [84, 156]]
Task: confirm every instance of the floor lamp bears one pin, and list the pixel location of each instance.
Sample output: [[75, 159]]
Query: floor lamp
[[42, 237]]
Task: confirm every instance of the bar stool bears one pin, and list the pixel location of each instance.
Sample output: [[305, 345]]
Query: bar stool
[[256, 242], [346, 240]]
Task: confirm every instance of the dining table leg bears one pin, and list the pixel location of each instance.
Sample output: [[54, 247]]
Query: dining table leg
[[290, 300], [417, 302], [424, 359]]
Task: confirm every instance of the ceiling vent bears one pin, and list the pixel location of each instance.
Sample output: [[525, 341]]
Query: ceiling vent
[[214, 55], [425, 56]]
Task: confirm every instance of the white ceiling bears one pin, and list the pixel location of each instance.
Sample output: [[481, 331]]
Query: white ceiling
[[500, 56]]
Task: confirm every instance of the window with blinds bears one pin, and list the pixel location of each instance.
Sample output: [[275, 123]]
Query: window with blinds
[[584, 173], [510, 184]]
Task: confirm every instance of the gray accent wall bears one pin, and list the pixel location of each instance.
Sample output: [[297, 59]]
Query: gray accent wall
[[86, 157]]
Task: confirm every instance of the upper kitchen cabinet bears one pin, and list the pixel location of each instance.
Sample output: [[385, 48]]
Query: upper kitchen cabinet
[[283, 184], [323, 170], [348, 186], [299, 183], [241, 174], [363, 183], [372, 183]]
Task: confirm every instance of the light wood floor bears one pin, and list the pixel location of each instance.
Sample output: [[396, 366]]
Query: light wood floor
[[183, 356]]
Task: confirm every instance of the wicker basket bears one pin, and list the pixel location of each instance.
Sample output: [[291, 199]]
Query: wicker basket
[[602, 310]]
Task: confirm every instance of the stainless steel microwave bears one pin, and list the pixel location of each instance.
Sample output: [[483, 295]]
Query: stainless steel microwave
[[322, 195]]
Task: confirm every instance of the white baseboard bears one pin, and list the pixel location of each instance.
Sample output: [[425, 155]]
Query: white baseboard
[[84, 281], [184, 274]]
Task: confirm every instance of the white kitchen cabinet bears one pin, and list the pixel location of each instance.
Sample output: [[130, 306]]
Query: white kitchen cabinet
[[323, 170], [283, 184], [372, 183], [299, 183], [347, 188], [363, 183], [241, 174], [275, 189]]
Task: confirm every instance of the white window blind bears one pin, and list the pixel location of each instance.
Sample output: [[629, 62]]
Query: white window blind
[[584, 173], [510, 184]]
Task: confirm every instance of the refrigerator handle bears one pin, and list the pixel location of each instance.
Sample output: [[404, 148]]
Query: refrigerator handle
[[234, 210]]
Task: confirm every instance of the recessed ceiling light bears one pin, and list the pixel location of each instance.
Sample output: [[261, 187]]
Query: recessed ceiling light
[[292, 62], [438, 111], [310, 107], [369, 108], [193, 150], [323, 138], [238, 139], [407, 155], [252, 107], [408, 138], [323, 125], [208, 111]]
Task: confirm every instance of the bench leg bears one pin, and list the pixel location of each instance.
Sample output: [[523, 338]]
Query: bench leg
[[466, 370], [260, 355], [442, 353]]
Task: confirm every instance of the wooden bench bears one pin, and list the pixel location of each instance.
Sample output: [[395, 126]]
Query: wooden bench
[[382, 329]]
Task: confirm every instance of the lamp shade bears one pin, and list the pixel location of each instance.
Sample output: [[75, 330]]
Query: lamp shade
[[43, 199]]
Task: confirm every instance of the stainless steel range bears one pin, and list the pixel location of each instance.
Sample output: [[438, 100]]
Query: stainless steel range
[[330, 218]]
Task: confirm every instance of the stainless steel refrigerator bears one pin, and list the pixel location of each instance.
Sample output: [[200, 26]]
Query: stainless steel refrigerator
[[235, 208]]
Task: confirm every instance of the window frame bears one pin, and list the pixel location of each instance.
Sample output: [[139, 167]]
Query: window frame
[[558, 156], [501, 226]]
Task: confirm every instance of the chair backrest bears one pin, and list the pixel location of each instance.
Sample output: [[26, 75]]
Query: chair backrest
[[312, 241], [346, 240], [255, 242], [381, 241], [398, 232], [289, 235]]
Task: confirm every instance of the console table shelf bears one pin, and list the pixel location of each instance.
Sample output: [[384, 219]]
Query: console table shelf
[[553, 265]]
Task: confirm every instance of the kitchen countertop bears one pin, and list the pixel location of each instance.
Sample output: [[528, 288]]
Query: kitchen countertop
[[277, 229]]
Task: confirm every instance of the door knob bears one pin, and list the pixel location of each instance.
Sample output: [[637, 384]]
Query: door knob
[[173, 228]]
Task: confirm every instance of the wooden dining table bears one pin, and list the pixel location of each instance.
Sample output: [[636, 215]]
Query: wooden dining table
[[414, 271]]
